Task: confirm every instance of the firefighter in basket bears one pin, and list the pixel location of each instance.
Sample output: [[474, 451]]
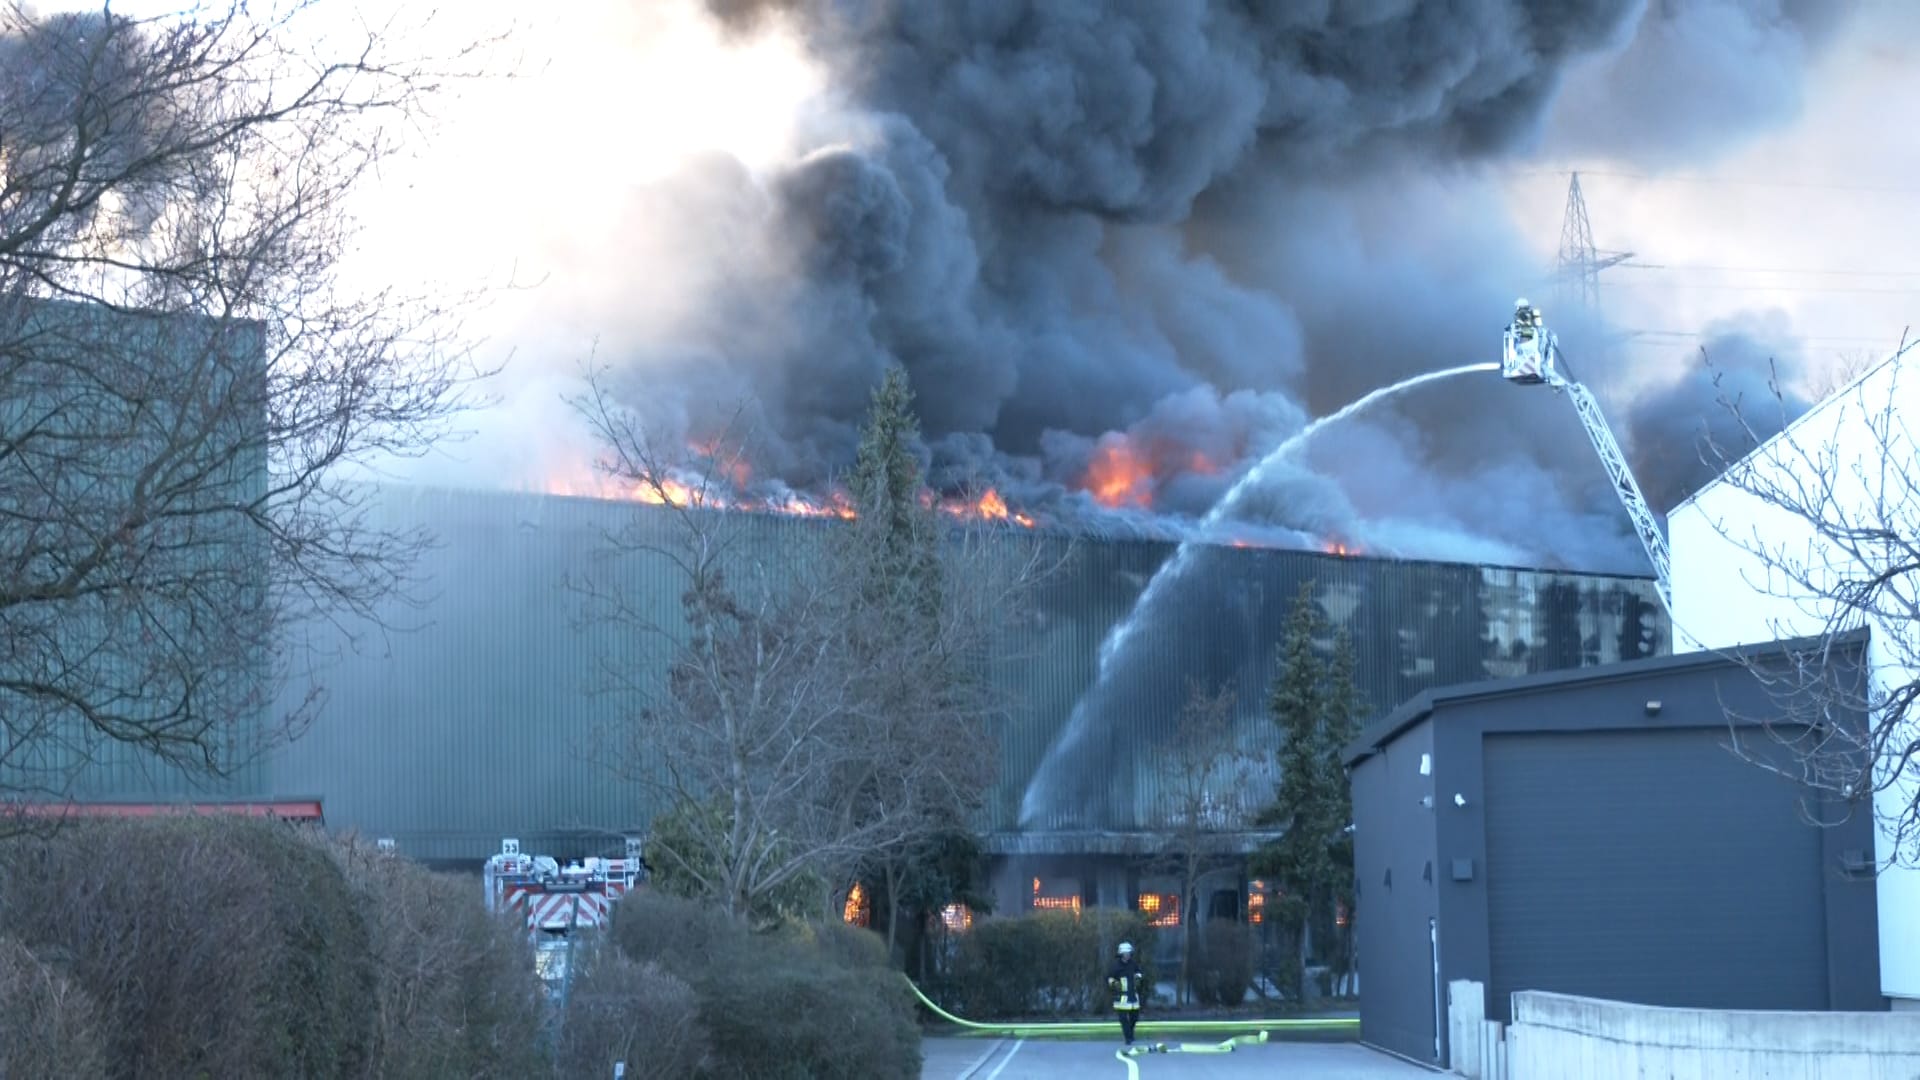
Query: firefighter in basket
[[1526, 320], [1128, 984], [1527, 354]]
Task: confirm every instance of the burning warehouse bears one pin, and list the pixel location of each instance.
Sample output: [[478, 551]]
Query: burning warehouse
[[474, 718]]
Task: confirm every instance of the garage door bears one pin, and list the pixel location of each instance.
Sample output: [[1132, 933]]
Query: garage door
[[1650, 867]]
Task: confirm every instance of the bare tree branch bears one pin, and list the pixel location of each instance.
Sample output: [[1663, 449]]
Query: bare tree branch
[[1832, 531], [802, 709], [187, 381], [1204, 781]]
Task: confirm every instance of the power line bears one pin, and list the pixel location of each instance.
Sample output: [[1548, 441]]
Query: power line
[[1711, 268], [1724, 287], [1728, 181]]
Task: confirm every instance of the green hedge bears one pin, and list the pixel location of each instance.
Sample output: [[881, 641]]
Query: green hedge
[[456, 993], [219, 946], [210, 947], [1222, 968], [621, 1010], [799, 1001], [1046, 963]]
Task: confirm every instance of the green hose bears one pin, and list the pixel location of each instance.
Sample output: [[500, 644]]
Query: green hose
[[1149, 1027]]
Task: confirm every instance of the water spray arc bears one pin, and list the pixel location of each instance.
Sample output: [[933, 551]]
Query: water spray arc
[[1032, 805]]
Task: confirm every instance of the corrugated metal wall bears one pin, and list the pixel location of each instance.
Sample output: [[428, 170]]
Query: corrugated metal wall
[[478, 723], [188, 575], [1414, 625]]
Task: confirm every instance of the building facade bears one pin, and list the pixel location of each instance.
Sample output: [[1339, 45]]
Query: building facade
[[473, 716], [1591, 832], [1735, 557]]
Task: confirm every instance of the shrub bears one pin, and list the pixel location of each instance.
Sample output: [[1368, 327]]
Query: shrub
[[52, 1027], [1222, 969], [795, 1002], [1051, 963], [845, 946], [456, 992], [222, 947], [622, 1010]]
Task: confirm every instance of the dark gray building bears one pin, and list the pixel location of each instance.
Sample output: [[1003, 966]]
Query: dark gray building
[[1592, 832]]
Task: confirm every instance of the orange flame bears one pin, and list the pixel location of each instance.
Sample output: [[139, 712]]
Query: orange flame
[[1340, 548], [712, 493], [1117, 476]]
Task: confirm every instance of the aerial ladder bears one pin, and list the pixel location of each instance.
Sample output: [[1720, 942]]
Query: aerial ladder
[[1530, 355]]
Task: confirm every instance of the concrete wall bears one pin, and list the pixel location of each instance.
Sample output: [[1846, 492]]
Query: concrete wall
[[1725, 595], [1562, 1037], [1394, 872]]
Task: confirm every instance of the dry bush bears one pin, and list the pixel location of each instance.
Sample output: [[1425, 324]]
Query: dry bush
[[1223, 964], [457, 993], [622, 1010], [216, 947], [797, 1002], [1044, 963], [49, 1028]]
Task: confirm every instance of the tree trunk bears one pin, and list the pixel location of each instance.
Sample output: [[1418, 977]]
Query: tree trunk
[[893, 907]]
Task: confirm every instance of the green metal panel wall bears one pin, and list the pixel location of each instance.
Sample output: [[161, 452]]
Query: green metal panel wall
[[478, 723], [92, 400]]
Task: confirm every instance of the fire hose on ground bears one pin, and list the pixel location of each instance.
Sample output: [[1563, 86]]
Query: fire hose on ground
[[1251, 1030]]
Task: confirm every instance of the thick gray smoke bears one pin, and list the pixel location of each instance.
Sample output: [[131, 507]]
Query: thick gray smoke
[[1740, 389], [1697, 77], [1121, 246]]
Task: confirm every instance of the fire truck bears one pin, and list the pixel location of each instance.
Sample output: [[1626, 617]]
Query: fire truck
[[559, 901]]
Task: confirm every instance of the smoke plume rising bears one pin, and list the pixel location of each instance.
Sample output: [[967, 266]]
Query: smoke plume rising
[[1124, 248]]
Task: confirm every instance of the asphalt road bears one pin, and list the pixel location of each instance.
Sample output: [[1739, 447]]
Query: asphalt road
[[983, 1058]]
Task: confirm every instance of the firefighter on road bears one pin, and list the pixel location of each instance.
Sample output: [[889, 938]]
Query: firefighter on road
[[1127, 982]]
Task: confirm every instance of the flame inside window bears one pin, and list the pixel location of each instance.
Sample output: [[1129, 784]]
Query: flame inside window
[[1066, 901], [957, 918], [1256, 902], [1161, 909]]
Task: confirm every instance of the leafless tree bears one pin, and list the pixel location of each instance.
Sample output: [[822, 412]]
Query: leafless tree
[[1836, 540], [187, 378], [1204, 773], [770, 712]]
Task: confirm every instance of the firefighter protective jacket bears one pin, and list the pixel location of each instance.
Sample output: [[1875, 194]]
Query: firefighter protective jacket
[[1127, 982]]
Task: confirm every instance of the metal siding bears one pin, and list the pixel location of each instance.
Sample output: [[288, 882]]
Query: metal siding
[[1652, 867], [474, 719], [1394, 851], [1414, 625], [482, 720], [76, 761]]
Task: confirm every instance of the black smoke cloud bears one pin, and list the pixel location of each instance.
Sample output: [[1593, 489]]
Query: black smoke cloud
[[1194, 224]]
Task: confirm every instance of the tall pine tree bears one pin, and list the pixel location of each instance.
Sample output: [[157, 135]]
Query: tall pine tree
[[898, 532], [900, 599], [1316, 705]]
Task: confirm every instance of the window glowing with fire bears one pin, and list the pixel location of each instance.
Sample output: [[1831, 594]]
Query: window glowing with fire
[[1161, 909], [1059, 899]]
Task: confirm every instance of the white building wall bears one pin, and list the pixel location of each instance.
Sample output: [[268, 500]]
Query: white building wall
[[1723, 595]]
